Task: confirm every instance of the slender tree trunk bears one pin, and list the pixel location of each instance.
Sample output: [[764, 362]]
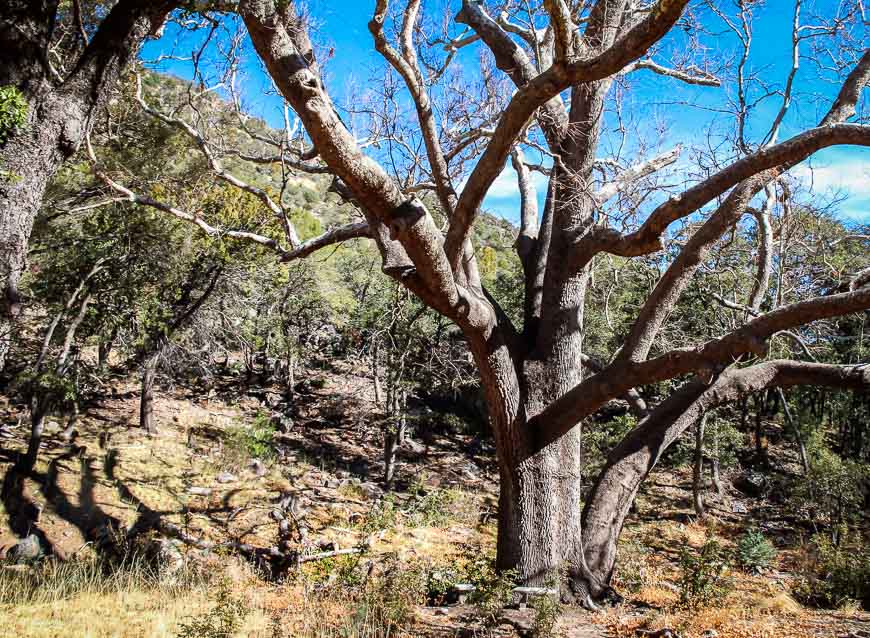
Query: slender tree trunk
[[715, 477], [104, 349], [796, 430], [376, 375], [38, 410], [698, 473], [146, 399], [72, 420], [760, 441], [394, 438]]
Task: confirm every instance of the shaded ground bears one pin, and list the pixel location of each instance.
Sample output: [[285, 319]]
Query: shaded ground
[[113, 477]]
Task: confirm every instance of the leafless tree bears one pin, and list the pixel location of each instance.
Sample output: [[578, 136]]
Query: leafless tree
[[565, 59]]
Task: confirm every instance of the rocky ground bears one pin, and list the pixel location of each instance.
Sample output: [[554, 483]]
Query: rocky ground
[[281, 527]]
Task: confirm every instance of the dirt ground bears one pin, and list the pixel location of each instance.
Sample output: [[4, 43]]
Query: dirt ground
[[112, 477]]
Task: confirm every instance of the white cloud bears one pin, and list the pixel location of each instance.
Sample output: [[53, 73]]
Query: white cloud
[[842, 171], [850, 175], [505, 185]]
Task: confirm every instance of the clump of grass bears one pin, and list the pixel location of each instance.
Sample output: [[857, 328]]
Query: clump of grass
[[52, 581], [433, 509]]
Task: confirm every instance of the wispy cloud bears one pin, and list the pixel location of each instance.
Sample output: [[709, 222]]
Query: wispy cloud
[[845, 172]]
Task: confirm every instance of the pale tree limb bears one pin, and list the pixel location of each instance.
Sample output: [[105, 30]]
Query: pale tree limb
[[765, 251], [637, 454], [513, 60], [687, 76], [409, 241], [564, 29], [332, 236], [406, 64], [627, 48], [670, 286], [216, 166], [635, 173], [647, 238], [589, 395]]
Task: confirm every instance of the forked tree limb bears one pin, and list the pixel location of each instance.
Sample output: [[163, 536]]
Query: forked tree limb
[[581, 401], [630, 462], [627, 48]]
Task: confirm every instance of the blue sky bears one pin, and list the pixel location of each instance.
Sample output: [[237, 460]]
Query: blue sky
[[685, 113]]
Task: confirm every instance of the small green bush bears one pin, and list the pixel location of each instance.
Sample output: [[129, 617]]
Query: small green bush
[[256, 440], [433, 509], [221, 621], [834, 575], [547, 610], [493, 589], [384, 514], [704, 574], [632, 566], [381, 607], [13, 111], [832, 492], [754, 552]]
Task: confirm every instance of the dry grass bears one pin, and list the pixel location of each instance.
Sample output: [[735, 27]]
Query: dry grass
[[156, 474]]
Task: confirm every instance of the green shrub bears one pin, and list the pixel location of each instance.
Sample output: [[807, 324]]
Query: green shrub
[[13, 112], [380, 607], [704, 574], [754, 552], [256, 440], [391, 600], [493, 589], [833, 575], [832, 492], [722, 441], [547, 611], [433, 509], [221, 621], [632, 566], [384, 514]]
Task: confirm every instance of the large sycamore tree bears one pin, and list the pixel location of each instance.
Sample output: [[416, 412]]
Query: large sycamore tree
[[562, 64]]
